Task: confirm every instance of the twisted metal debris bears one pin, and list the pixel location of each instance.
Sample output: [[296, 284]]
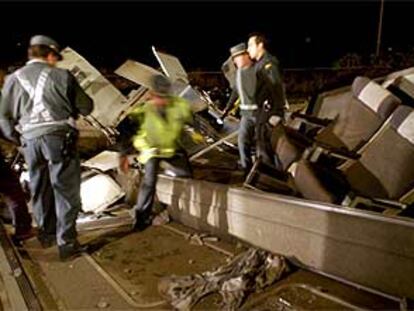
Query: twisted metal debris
[[249, 272]]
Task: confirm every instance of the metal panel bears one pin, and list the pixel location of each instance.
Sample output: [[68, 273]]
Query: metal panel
[[140, 74], [173, 69], [171, 66], [105, 161], [192, 96], [99, 192], [137, 72], [366, 248], [108, 100]]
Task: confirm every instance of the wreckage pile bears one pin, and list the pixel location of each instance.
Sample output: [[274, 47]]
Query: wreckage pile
[[332, 150], [98, 131], [335, 150]]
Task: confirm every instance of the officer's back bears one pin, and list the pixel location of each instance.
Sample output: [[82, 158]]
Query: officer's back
[[41, 97]]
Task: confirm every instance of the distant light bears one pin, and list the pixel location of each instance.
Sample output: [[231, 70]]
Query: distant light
[[19, 44], [308, 39], [389, 49]]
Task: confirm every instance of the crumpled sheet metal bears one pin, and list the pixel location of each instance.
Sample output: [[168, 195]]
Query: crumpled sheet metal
[[249, 272], [109, 102]]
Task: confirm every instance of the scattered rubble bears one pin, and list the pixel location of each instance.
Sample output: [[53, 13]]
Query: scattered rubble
[[201, 238], [248, 272], [161, 218], [102, 304]]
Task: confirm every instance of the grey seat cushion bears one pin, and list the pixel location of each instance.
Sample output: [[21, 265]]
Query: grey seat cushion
[[386, 168], [365, 112]]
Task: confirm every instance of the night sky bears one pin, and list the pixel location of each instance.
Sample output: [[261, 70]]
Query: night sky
[[303, 34]]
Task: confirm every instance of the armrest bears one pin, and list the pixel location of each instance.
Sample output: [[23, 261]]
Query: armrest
[[389, 207], [311, 119], [320, 148], [338, 152]]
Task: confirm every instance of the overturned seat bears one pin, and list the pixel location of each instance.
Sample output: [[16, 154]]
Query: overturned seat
[[288, 145], [385, 169], [331, 103], [365, 112], [363, 115], [383, 172]]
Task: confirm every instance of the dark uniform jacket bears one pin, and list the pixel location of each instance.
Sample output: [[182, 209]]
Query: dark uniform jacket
[[230, 102], [39, 99], [245, 88], [270, 93]]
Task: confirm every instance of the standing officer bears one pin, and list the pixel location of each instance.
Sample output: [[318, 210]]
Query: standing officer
[[269, 93], [39, 107], [160, 124], [245, 88]]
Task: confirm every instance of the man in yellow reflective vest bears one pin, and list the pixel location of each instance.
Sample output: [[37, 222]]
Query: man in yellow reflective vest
[[161, 122]]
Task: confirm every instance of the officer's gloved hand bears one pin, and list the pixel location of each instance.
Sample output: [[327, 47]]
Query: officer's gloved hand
[[274, 120], [220, 121]]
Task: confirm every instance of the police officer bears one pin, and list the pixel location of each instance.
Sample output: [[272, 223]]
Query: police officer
[[269, 93], [40, 104], [245, 89], [159, 127]]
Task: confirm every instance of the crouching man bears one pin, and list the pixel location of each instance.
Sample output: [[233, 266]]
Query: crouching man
[[160, 124]]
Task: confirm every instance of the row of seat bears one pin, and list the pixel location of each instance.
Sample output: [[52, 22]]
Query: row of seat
[[366, 151]]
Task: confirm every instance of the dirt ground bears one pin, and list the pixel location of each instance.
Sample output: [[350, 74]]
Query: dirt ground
[[138, 261], [123, 270]]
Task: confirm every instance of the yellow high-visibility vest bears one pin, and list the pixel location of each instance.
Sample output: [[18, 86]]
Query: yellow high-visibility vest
[[159, 136]]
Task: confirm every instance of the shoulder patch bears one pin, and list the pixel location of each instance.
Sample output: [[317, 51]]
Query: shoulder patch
[[268, 66]]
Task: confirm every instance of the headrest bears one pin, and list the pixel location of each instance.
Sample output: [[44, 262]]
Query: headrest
[[403, 121], [374, 96]]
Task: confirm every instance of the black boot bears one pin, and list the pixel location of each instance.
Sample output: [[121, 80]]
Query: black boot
[[46, 240], [71, 251], [141, 222]]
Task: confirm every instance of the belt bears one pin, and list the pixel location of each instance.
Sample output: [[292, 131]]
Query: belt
[[248, 107]]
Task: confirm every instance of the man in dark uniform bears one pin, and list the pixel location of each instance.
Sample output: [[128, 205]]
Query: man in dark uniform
[[14, 196], [244, 88], [270, 95], [40, 104]]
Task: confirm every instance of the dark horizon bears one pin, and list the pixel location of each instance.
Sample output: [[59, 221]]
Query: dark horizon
[[302, 34]]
